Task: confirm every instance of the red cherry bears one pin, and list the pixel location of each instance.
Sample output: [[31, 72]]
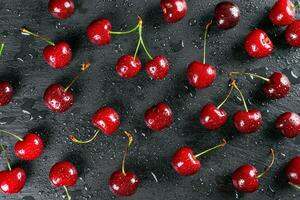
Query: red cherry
[[107, 120], [248, 121], [212, 117], [277, 87], [63, 173], [227, 15], [173, 10], [258, 44], [245, 179], [292, 172], [283, 13], [292, 34], [61, 9], [158, 68], [98, 32], [59, 55], [12, 181], [159, 117], [128, 66], [6, 93], [201, 75], [289, 124], [123, 184]]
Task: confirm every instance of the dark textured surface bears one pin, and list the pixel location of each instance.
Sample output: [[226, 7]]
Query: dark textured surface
[[23, 65]]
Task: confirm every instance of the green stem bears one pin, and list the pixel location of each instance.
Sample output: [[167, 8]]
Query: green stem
[[1, 48], [24, 30], [213, 148], [73, 139], [250, 74], [130, 140], [137, 48], [6, 157], [12, 134], [143, 44], [296, 6], [294, 185], [67, 193], [228, 95], [130, 31], [205, 38], [269, 166], [241, 94]]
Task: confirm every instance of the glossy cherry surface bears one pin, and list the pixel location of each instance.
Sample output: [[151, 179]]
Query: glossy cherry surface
[[6, 93], [63, 173], [212, 117], [292, 34], [98, 32], [128, 66], [277, 87], [248, 122], [107, 120], [245, 179], [289, 124], [227, 15], [58, 56], [201, 75], [292, 171], [173, 10], [61, 9], [158, 68], [12, 181], [283, 13], [123, 185]]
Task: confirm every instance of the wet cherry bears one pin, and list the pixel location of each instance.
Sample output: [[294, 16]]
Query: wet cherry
[[227, 15], [277, 87], [173, 10], [289, 124], [128, 66], [6, 93], [61, 9], [98, 32], [57, 99], [292, 34], [283, 13], [248, 121], [158, 68], [292, 172]]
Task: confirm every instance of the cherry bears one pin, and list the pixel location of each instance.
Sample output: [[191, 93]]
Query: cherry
[[277, 87], [227, 15], [98, 32], [246, 178], [63, 174], [61, 9], [58, 55], [12, 180], [201, 75], [289, 124], [283, 13], [158, 117], [158, 68], [173, 10], [257, 44], [6, 93], [292, 172], [292, 34], [128, 66], [185, 163]]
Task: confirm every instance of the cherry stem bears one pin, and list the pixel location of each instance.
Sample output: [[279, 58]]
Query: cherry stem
[[73, 139], [84, 67], [130, 31], [213, 148], [241, 94], [249, 74], [137, 48], [228, 95], [27, 32], [6, 156], [11, 134], [294, 185], [67, 193], [130, 140], [269, 166], [296, 6], [205, 38], [1, 48]]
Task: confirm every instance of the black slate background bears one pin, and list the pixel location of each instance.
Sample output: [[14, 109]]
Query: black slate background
[[23, 65]]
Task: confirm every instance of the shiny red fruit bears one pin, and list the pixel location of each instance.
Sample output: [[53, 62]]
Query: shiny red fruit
[[159, 117], [61, 9], [248, 122], [292, 34], [128, 66], [98, 32], [107, 120], [212, 117], [227, 15], [30, 148], [173, 10], [278, 86], [257, 44], [123, 185], [13, 181], [289, 124], [292, 171], [63, 173], [58, 56], [283, 13], [158, 68], [57, 99], [6, 93], [185, 163], [201, 75], [245, 179]]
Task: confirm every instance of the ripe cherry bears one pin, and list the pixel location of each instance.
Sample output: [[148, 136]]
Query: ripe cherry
[[61, 9], [257, 44], [227, 15], [246, 177], [283, 13], [6, 93], [158, 67], [98, 32], [185, 163], [128, 66], [173, 10], [159, 117], [201, 75], [63, 174], [289, 124], [292, 34], [292, 172]]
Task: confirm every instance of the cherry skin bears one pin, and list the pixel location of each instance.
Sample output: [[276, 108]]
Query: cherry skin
[[248, 122], [63, 173], [6, 93], [30, 148], [12, 181], [107, 120], [98, 32], [227, 15], [57, 99], [61, 9], [185, 163], [292, 34], [128, 66], [283, 13], [201, 75], [289, 124], [257, 44], [292, 171], [173, 10], [58, 56], [159, 117], [212, 117], [123, 185], [278, 86], [158, 68], [245, 179]]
